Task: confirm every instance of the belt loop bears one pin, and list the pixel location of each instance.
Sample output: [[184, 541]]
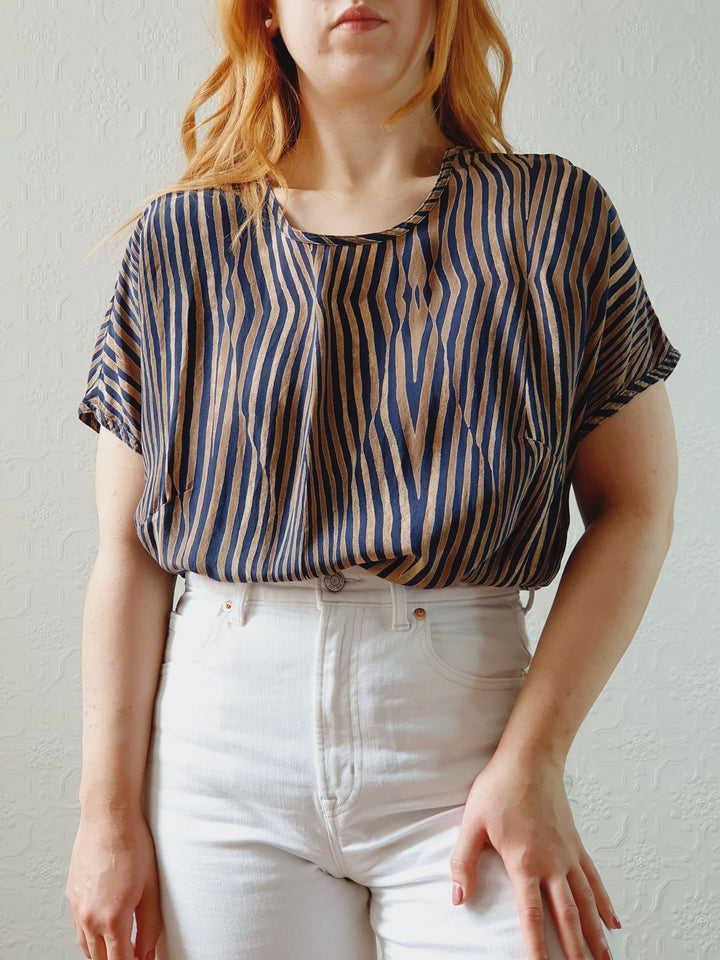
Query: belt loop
[[531, 598], [398, 592], [318, 594], [239, 598], [245, 594]]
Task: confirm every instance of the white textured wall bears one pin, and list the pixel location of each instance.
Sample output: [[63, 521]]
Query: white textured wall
[[91, 97]]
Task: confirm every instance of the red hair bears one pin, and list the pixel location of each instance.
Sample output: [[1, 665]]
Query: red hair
[[257, 115]]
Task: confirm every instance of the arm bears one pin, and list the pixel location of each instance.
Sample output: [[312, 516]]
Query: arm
[[625, 478], [125, 620], [112, 870]]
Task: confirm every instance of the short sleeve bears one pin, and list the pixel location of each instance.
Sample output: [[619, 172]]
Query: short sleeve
[[624, 347], [113, 393]]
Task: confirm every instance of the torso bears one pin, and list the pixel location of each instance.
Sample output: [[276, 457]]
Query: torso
[[322, 211], [317, 212]]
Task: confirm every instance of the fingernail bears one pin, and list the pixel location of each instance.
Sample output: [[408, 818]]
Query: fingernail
[[616, 922], [457, 894], [606, 954]]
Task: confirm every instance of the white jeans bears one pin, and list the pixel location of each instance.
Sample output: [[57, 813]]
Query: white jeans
[[311, 752]]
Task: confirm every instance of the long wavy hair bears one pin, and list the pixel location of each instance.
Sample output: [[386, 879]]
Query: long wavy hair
[[257, 119]]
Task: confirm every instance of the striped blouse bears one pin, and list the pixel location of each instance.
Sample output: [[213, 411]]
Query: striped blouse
[[409, 400]]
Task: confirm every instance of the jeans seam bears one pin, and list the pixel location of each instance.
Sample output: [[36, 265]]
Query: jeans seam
[[354, 794]]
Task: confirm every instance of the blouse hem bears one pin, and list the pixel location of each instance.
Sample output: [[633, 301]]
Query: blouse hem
[[95, 416]]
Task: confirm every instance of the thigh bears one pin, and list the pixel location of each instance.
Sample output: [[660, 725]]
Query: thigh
[[227, 797], [412, 911], [256, 902]]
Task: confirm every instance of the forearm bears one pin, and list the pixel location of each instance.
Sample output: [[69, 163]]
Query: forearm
[[125, 618], [601, 598]]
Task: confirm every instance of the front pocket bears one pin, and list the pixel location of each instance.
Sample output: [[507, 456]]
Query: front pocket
[[192, 633], [479, 644]]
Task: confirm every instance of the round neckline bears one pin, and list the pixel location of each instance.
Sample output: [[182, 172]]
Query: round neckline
[[332, 239]]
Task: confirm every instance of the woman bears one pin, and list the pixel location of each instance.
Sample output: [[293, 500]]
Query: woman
[[356, 444]]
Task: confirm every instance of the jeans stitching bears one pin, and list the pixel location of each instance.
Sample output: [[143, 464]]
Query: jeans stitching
[[354, 794], [458, 676]]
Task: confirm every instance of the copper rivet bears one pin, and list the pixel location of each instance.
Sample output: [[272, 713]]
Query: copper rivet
[[419, 613], [228, 605]]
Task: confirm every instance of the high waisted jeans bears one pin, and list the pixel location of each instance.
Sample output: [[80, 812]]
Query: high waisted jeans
[[313, 745]]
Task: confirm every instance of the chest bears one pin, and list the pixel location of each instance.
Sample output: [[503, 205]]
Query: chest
[[318, 211]]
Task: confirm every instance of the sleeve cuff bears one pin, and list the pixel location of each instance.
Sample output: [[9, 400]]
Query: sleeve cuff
[[95, 416], [661, 370]]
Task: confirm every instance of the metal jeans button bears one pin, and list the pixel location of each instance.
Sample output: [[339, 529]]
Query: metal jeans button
[[335, 582]]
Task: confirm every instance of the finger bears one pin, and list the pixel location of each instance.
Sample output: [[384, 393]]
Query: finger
[[567, 917], [118, 942], [590, 920], [96, 944], [532, 915], [463, 862], [149, 921], [602, 897], [82, 940]]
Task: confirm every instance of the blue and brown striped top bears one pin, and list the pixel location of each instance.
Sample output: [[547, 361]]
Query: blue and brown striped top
[[408, 400]]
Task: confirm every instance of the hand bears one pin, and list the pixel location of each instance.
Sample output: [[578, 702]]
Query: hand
[[113, 874], [521, 809]]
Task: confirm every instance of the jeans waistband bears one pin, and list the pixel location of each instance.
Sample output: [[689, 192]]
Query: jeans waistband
[[355, 585]]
